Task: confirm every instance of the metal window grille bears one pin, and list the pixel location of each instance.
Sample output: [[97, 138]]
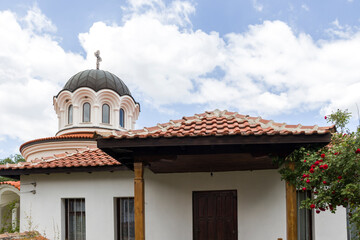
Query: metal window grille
[[75, 219], [125, 219], [305, 226]]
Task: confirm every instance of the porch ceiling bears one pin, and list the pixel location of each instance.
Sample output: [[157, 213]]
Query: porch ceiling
[[173, 158]]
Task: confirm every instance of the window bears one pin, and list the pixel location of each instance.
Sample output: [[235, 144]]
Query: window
[[351, 228], [122, 117], [124, 210], [75, 219], [305, 217], [70, 114], [86, 112], [105, 113]]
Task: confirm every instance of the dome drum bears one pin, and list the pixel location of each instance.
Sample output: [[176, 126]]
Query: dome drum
[[95, 100]]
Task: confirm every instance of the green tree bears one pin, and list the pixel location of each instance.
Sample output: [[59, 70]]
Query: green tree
[[331, 173], [16, 158]]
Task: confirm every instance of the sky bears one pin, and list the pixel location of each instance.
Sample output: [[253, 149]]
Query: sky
[[289, 61]]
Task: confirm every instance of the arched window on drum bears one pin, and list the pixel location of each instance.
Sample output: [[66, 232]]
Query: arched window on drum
[[105, 113], [70, 114], [122, 118], [86, 112]]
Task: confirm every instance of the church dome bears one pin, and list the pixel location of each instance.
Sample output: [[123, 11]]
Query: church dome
[[97, 80]]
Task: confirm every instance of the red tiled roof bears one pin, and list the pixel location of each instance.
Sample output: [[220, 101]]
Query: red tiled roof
[[89, 158], [12, 183], [61, 137], [219, 123]]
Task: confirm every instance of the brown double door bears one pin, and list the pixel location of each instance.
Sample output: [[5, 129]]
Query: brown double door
[[215, 215]]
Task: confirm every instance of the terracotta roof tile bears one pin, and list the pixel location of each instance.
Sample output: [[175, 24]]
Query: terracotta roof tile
[[61, 137], [219, 123], [89, 158], [15, 184]]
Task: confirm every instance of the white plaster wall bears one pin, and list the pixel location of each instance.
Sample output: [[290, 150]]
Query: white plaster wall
[[168, 203], [329, 226], [261, 203], [44, 208]]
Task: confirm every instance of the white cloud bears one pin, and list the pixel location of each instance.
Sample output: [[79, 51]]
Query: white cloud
[[257, 6], [32, 69], [305, 7], [267, 70], [38, 22], [341, 31]]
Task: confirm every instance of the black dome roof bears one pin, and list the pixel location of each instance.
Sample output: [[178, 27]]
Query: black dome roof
[[97, 80]]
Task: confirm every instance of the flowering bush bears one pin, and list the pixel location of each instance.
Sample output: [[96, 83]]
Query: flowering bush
[[331, 173]]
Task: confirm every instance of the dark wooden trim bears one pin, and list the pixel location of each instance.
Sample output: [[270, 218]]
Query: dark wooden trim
[[212, 140], [17, 172]]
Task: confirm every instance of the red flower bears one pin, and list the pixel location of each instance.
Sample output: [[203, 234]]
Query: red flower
[[313, 166], [322, 209], [321, 160], [322, 155], [305, 160], [357, 151], [312, 206], [304, 175], [324, 182], [307, 180], [317, 163], [312, 170], [304, 188], [333, 192], [321, 166], [325, 166], [317, 211], [336, 153], [315, 192], [331, 207], [339, 177], [325, 117]]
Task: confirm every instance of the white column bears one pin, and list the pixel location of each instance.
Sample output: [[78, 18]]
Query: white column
[[116, 118], [14, 218], [96, 115], [76, 115]]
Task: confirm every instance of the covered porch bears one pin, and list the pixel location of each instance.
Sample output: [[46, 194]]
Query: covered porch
[[182, 178]]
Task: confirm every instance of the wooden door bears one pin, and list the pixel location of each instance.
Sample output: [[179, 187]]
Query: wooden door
[[215, 215]]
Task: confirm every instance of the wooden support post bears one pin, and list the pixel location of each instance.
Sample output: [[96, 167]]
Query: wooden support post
[[139, 201], [291, 209]]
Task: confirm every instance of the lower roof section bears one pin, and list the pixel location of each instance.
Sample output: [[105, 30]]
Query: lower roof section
[[87, 160]]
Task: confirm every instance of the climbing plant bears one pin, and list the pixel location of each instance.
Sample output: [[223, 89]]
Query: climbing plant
[[331, 172], [7, 221]]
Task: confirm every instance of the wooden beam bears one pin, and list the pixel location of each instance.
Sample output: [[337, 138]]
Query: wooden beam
[[291, 209], [213, 140], [139, 200]]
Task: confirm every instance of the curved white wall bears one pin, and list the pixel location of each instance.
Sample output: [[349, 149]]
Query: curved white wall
[[47, 149], [96, 100]]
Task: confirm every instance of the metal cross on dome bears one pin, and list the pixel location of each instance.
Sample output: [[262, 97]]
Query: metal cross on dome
[[98, 59]]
